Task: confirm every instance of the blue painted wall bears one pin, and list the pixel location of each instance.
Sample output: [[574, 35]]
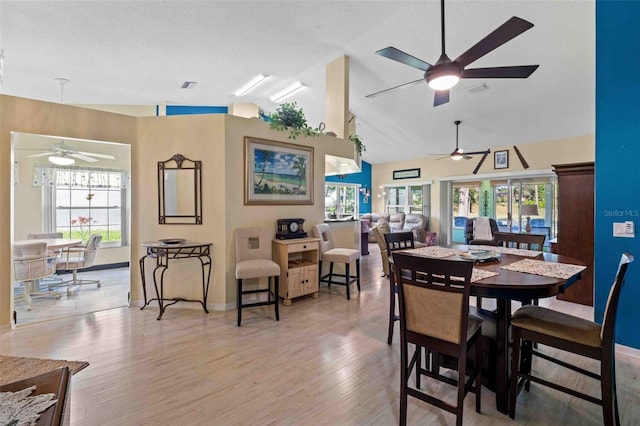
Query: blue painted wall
[[363, 178], [617, 178], [187, 109]]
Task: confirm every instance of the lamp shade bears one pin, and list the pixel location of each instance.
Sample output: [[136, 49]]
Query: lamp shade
[[529, 210]]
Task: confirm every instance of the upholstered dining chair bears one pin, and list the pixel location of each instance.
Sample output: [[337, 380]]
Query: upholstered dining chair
[[332, 254], [31, 262], [394, 242], [535, 324], [433, 297], [254, 260], [51, 280], [44, 235], [76, 258]]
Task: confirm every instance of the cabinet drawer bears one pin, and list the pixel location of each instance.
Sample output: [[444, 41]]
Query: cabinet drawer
[[298, 247]]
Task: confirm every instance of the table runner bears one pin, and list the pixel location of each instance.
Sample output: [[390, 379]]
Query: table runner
[[546, 269]]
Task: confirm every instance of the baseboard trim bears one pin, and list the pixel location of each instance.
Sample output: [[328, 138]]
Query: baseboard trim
[[97, 268]]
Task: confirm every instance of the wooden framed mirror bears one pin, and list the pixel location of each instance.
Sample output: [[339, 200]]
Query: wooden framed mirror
[[179, 191]]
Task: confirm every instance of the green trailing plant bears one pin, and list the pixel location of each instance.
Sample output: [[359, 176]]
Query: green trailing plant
[[289, 116], [360, 147]]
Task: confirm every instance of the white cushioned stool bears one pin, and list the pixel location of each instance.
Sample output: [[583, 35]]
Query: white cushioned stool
[[336, 255]]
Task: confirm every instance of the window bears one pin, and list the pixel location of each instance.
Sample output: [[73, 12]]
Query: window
[[82, 202], [408, 199], [340, 201]]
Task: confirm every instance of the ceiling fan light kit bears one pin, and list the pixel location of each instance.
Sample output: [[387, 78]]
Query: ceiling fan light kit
[[443, 76], [61, 160]]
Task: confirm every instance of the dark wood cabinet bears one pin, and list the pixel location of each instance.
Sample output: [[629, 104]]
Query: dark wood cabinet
[[575, 225]]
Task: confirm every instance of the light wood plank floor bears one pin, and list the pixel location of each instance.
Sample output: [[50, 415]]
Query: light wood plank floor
[[326, 362]]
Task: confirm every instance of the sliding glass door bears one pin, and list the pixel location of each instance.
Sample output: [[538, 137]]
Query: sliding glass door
[[512, 202]]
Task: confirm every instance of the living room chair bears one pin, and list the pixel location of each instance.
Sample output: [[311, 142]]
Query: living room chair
[[433, 299], [481, 231], [32, 262], [394, 242], [331, 254], [77, 258], [533, 324], [254, 260]]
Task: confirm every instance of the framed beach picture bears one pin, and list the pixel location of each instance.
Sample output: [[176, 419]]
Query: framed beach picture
[[501, 159], [277, 172]]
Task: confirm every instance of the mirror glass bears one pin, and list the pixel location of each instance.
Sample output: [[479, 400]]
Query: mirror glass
[[180, 191]]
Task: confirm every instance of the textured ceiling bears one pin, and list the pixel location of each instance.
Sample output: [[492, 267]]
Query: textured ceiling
[[140, 52]]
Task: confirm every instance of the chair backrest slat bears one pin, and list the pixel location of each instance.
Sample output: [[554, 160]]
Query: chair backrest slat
[[521, 241], [44, 235]]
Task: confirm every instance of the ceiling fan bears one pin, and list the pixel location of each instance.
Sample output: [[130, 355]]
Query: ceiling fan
[[64, 151], [459, 153], [446, 73]]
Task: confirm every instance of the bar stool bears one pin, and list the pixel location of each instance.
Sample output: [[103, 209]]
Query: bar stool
[[331, 254], [253, 260]]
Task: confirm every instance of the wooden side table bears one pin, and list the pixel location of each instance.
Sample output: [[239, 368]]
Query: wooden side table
[[298, 259]]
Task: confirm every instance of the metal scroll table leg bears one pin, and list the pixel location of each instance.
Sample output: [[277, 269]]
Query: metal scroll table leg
[[144, 282], [162, 267], [205, 262]]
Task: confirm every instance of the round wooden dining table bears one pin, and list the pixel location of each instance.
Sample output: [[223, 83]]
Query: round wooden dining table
[[505, 287]]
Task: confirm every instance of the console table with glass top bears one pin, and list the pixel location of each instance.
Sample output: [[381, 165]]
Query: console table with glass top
[[165, 250]]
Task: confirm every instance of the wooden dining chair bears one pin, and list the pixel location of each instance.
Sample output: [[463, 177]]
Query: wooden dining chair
[[433, 300], [394, 242], [518, 241], [534, 324]]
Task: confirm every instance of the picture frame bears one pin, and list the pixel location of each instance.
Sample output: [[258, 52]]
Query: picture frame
[[501, 159], [277, 173], [406, 174]]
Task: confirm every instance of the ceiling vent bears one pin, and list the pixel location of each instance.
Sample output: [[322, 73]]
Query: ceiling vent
[[482, 87], [188, 85]]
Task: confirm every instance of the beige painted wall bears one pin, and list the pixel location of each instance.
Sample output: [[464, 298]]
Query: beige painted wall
[[46, 118], [540, 156], [216, 140]]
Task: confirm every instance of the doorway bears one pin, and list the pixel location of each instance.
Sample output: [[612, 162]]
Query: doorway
[[88, 195]]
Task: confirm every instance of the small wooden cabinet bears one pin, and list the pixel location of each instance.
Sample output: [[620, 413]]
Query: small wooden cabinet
[[298, 260]]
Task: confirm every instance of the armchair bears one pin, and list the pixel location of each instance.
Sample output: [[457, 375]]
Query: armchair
[[31, 262], [79, 257], [474, 238]]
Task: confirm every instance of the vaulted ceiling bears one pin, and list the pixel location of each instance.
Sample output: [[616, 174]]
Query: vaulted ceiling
[[140, 52]]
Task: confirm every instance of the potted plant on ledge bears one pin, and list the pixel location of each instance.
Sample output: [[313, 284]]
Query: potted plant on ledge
[[289, 116]]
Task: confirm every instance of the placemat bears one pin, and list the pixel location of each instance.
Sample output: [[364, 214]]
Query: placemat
[[546, 269], [433, 251], [481, 274], [13, 368]]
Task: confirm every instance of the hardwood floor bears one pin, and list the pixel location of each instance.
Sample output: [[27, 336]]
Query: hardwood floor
[[325, 362], [112, 293]]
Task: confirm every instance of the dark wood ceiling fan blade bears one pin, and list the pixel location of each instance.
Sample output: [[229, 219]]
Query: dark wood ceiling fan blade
[[519, 71], [488, 151], [505, 32], [440, 97], [404, 58], [411, 83]]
